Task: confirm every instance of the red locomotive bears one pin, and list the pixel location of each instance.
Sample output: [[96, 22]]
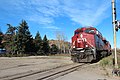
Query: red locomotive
[[89, 45]]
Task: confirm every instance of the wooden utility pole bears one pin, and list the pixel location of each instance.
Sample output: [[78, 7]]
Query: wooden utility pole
[[114, 30]]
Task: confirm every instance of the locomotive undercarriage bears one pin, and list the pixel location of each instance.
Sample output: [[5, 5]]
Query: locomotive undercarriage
[[83, 55], [88, 55]]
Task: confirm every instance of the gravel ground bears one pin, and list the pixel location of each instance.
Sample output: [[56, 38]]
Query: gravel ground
[[16, 65], [91, 72]]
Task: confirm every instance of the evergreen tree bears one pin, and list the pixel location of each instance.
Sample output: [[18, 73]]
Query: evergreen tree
[[38, 44], [9, 38], [1, 39], [23, 38], [11, 29], [46, 47], [54, 49]]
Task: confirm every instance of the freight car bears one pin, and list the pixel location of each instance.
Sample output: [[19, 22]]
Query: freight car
[[89, 45]]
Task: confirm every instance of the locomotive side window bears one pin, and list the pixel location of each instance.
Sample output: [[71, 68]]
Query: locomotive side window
[[106, 42], [98, 33]]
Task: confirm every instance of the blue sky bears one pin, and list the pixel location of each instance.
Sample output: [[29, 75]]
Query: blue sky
[[51, 16]]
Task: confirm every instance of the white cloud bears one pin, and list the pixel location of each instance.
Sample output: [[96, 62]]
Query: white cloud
[[52, 27], [38, 11], [87, 12], [84, 12], [40, 19], [45, 21]]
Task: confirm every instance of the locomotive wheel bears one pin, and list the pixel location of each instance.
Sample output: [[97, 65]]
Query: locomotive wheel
[[109, 53], [75, 59], [90, 58], [103, 54], [98, 56]]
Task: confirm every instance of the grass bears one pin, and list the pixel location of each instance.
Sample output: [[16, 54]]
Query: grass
[[107, 62], [118, 56]]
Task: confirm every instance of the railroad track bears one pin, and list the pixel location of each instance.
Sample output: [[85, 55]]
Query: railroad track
[[46, 74], [62, 72]]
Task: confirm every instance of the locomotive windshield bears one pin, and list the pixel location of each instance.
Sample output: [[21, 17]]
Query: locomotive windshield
[[89, 31], [78, 31]]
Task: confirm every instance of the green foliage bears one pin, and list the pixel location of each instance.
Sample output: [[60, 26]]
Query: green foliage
[[1, 38], [18, 41], [54, 49], [38, 44], [46, 47], [23, 38], [9, 38], [11, 29]]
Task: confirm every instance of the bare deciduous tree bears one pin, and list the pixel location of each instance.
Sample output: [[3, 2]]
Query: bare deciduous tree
[[61, 41]]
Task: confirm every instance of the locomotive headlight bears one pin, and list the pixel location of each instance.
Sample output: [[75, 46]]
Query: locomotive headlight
[[86, 45], [73, 46], [81, 35]]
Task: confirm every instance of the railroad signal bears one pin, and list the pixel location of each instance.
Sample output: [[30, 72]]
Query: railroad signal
[[117, 26]]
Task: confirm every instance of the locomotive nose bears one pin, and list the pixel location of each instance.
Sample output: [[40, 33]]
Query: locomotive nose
[[80, 43]]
